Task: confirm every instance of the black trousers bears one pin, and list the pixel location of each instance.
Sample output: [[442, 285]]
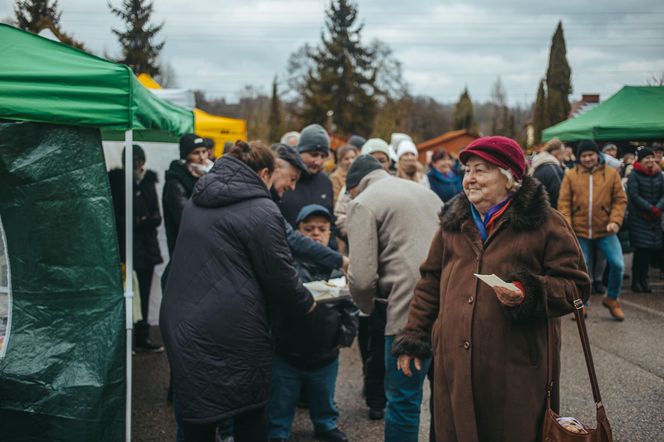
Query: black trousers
[[371, 340], [144, 276], [641, 264], [250, 426]]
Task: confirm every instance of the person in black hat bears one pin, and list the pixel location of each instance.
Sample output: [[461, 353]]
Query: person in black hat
[[645, 189], [181, 177], [307, 352], [145, 245], [593, 202]]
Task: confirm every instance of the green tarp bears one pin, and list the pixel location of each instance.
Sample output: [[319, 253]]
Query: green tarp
[[62, 377], [46, 81], [635, 113]]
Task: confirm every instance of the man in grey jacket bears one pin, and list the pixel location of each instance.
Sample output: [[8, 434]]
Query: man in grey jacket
[[391, 222]]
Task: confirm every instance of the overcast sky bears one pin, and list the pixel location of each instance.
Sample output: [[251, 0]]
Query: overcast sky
[[220, 46]]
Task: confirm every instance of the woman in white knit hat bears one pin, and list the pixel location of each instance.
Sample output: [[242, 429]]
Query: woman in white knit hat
[[408, 167]]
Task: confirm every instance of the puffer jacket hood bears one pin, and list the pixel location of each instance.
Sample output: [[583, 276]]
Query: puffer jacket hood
[[230, 181], [543, 158]]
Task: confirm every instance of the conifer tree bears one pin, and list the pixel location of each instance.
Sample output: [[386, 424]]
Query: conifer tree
[[558, 82], [540, 121], [30, 14], [37, 15], [342, 77], [463, 116], [274, 120], [139, 51], [499, 111]]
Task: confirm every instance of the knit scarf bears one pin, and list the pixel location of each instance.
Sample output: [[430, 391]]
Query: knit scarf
[[485, 226], [650, 172], [446, 185]]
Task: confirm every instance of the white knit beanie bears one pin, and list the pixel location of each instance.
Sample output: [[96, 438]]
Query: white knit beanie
[[375, 145], [406, 146]]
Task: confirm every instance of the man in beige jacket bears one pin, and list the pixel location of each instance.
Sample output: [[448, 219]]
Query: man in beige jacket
[[593, 202], [391, 223]]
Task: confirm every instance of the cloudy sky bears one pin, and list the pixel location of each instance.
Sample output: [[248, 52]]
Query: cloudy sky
[[220, 46]]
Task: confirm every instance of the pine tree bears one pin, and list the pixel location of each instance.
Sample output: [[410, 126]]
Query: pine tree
[[500, 112], [343, 76], [463, 116], [37, 15], [274, 120], [30, 14], [139, 51], [558, 83], [540, 121], [506, 120]]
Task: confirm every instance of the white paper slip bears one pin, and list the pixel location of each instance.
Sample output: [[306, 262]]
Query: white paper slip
[[494, 281], [327, 291]]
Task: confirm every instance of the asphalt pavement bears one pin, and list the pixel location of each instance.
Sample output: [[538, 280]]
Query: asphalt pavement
[[629, 359]]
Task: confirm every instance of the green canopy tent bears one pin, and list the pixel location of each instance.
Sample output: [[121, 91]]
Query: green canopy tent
[[42, 81], [633, 113]]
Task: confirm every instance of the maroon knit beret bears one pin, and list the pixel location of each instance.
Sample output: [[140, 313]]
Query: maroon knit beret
[[501, 151]]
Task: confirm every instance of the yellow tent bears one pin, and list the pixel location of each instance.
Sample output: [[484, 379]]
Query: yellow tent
[[219, 129]]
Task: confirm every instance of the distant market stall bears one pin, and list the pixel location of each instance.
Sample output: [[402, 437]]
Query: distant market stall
[[635, 113], [63, 374], [219, 129]]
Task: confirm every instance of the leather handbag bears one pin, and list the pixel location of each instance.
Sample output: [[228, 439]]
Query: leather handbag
[[555, 428]]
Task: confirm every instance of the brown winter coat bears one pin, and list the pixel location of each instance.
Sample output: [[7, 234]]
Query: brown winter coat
[[608, 200], [338, 178], [490, 360]]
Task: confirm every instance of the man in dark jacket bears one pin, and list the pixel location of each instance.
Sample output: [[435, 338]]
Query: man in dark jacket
[[231, 260], [314, 187], [547, 168], [145, 247], [289, 169], [307, 353], [181, 177]]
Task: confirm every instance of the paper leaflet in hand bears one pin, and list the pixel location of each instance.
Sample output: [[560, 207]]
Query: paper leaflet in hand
[[494, 281], [328, 291]]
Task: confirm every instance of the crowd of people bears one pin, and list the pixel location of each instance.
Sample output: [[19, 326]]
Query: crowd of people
[[247, 343]]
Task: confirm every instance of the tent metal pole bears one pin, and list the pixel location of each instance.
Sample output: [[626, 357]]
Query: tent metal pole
[[129, 271]]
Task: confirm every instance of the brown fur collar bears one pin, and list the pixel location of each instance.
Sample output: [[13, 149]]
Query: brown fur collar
[[529, 209]]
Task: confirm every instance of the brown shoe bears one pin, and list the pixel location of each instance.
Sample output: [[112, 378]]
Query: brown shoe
[[614, 308]]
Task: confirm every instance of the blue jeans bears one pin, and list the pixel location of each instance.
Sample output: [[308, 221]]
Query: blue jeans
[[404, 398], [285, 393], [609, 246]]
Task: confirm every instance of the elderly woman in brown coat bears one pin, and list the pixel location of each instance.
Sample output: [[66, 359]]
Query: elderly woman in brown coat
[[489, 344]]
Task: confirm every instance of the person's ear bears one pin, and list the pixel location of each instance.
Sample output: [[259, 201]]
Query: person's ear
[[265, 176]]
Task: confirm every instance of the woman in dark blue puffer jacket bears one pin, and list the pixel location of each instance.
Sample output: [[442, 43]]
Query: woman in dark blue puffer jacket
[[231, 262], [645, 190]]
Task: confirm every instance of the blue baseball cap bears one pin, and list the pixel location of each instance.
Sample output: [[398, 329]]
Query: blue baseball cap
[[312, 209]]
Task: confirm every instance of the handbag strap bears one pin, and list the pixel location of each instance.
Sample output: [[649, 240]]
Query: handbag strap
[[585, 343]]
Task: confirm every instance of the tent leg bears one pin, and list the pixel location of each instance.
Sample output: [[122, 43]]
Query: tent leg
[[129, 261]]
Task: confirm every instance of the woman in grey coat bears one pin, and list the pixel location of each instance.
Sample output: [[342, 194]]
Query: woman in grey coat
[[645, 189]]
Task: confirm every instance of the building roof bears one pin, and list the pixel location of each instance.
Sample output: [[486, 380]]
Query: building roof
[[447, 136], [587, 102]]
